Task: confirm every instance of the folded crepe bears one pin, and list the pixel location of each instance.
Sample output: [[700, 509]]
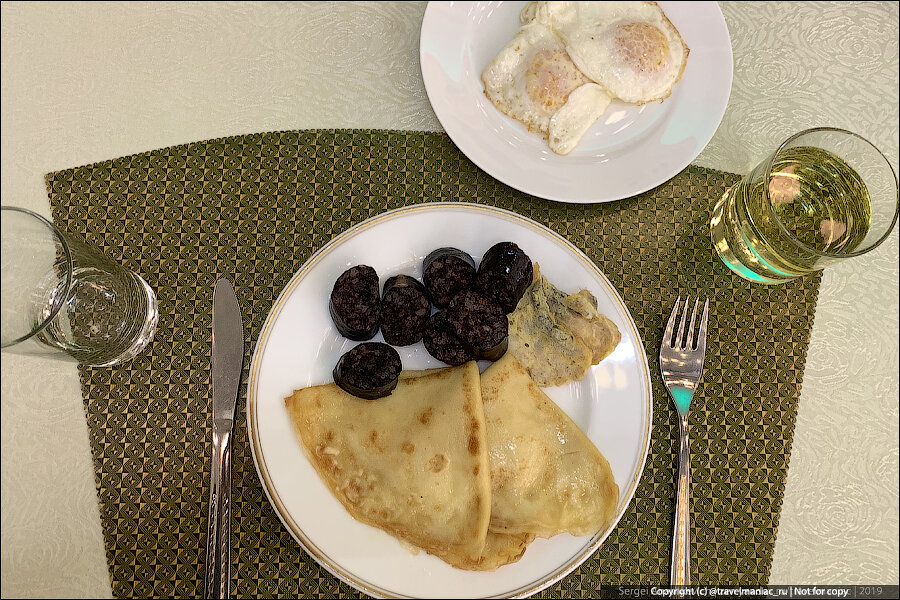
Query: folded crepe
[[499, 549], [413, 463], [547, 477]]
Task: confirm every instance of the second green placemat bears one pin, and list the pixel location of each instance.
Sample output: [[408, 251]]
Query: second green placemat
[[255, 207]]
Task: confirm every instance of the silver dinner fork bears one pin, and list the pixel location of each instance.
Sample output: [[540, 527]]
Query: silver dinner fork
[[681, 365]]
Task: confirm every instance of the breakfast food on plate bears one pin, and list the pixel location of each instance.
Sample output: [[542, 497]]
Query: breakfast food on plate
[[504, 274], [446, 272], [479, 323], [547, 477], [472, 326], [499, 549], [413, 463], [468, 468], [630, 48], [556, 336], [369, 370], [532, 76], [355, 303], [582, 109], [569, 60], [531, 80], [404, 309], [443, 344], [578, 313]]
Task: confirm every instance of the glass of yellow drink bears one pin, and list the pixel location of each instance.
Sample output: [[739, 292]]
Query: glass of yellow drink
[[824, 195]]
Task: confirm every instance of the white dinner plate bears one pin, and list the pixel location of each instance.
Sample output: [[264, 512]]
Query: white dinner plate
[[299, 346], [629, 150]]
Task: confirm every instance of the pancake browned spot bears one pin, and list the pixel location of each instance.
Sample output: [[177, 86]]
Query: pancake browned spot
[[474, 443], [437, 463]]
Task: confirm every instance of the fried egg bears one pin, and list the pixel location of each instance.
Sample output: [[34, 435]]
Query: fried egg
[[630, 48], [585, 105], [532, 80]]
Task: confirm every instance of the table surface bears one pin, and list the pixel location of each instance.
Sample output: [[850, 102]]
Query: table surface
[[83, 82]]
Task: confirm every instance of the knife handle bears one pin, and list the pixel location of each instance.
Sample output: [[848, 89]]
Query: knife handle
[[218, 541]]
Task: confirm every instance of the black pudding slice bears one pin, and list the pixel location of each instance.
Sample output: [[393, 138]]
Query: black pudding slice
[[446, 272], [370, 370], [355, 303], [443, 344], [404, 309], [479, 323], [504, 274]]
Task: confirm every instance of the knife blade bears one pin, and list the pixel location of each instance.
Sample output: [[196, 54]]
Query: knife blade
[[227, 361]]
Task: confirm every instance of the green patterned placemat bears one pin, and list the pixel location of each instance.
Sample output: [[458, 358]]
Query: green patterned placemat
[[255, 207]]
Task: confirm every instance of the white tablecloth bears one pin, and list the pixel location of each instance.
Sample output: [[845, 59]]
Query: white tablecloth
[[83, 82]]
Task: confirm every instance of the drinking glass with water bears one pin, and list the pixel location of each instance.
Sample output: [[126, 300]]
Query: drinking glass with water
[[62, 297]]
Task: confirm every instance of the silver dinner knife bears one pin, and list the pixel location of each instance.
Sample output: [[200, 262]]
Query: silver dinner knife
[[227, 360]]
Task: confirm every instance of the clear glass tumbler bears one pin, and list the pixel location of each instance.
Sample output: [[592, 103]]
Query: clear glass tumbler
[[62, 297], [823, 196]]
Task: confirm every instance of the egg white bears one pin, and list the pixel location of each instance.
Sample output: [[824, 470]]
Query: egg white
[[584, 106], [630, 48], [534, 80], [531, 77]]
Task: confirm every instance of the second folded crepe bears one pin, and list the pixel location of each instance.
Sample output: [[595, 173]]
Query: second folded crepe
[[547, 477]]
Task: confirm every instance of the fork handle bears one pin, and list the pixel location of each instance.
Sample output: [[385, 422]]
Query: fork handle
[[681, 542]]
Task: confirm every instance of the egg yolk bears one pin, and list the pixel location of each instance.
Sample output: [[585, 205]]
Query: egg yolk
[[551, 77], [642, 47]]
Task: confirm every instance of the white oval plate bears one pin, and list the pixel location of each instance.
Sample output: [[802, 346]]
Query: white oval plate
[[299, 346], [630, 150]]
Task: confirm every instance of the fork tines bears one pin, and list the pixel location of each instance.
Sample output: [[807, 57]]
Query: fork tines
[[681, 342]]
